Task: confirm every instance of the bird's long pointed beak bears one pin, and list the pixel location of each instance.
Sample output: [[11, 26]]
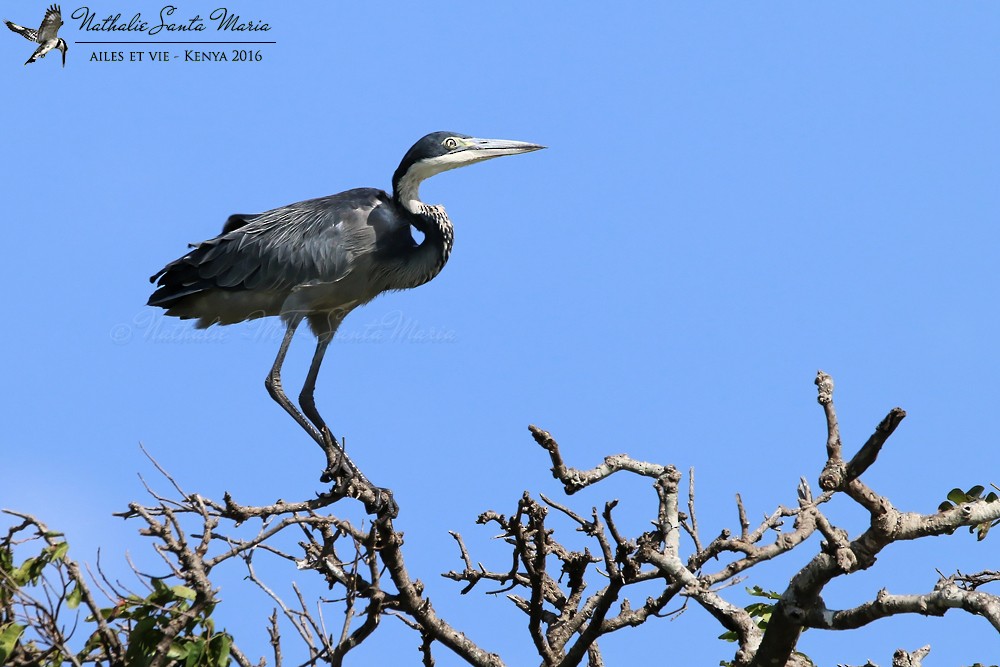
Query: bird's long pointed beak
[[490, 148]]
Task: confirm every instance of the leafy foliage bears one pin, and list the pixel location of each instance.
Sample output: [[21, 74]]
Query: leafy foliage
[[760, 611], [957, 497], [28, 633], [198, 645]]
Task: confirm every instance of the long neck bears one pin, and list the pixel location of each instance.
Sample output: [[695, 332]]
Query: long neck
[[428, 258], [406, 187]]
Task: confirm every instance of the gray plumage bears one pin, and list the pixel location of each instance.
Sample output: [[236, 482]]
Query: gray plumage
[[317, 257], [321, 258]]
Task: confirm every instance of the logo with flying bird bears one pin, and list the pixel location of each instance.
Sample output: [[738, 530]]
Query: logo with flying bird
[[47, 35]]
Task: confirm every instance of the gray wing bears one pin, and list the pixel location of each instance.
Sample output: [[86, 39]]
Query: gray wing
[[50, 24], [237, 220], [29, 34], [301, 244]]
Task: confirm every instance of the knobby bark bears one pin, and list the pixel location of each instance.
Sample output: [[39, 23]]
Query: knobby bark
[[570, 598]]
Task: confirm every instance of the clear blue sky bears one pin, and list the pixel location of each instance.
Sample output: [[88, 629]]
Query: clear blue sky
[[735, 195]]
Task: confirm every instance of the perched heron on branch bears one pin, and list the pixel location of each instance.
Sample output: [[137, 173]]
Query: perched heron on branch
[[320, 259]]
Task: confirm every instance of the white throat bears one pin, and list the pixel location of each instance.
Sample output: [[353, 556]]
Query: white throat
[[408, 188]]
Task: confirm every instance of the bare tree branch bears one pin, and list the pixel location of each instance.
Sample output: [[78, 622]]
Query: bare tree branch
[[571, 597]]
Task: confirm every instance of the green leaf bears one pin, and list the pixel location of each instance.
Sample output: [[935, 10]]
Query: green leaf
[[74, 597], [196, 649], [183, 592], [22, 574], [8, 640], [992, 497], [757, 591], [141, 643], [983, 529], [945, 506], [957, 496], [108, 613], [975, 492], [220, 646], [6, 559], [59, 552], [178, 650]]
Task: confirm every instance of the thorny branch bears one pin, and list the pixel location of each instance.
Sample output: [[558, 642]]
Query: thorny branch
[[571, 597]]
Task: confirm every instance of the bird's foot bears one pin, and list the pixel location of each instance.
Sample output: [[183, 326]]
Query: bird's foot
[[337, 463], [335, 472], [376, 499], [350, 481], [383, 506]]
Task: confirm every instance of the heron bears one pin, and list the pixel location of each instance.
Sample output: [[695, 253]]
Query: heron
[[319, 259], [47, 35]]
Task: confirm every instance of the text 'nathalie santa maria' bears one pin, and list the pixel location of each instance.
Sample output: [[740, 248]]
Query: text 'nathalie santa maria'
[[220, 18]]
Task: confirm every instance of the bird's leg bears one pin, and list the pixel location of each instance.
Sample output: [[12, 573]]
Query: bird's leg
[[306, 400], [273, 383], [338, 462], [336, 459], [335, 456]]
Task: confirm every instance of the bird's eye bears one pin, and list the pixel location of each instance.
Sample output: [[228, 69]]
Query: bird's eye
[[451, 143]]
